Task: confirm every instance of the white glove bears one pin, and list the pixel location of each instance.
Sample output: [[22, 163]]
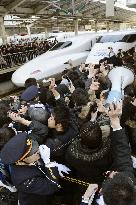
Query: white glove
[[61, 168], [134, 161], [45, 153], [100, 201]]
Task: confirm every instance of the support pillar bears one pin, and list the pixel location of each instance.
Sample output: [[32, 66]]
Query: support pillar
[[108, 26], [96, 26], [76, 27], [109, 8], [3, 31], [28, 30], [46, 33]]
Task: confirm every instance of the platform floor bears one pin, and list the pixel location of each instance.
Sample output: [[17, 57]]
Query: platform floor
[[8, 70]]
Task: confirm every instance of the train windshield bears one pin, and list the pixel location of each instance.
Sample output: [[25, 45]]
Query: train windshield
[[117, 38], [61, 45], [52, 37]]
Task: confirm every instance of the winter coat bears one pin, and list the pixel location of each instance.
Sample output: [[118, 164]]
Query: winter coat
[[34, 188], [89, 164], [128, 113], [121, 154]]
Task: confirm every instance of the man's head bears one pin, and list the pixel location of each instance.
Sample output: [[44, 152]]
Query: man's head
[[80, 97], [119, 190], [4, 119], [101, 62], [47, 97], [105, 60], [91, 135], [20, 150], [110, 48], [30, 81], [125, 60], [6, 133], [39, 114], [59, 119]]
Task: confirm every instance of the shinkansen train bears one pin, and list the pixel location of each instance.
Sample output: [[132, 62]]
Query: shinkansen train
[[88, 48], [124, 40], [55, 60]]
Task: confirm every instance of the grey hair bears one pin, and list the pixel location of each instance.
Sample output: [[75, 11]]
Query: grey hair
[[38, 114]]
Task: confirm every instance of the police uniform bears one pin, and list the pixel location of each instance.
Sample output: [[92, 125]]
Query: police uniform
[[35, 183]]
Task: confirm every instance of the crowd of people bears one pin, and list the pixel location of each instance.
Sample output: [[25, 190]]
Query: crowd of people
[[14, 54], [62, 143]]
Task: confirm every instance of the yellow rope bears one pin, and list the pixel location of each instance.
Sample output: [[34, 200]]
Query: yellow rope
[[76, 181], [51, 172]]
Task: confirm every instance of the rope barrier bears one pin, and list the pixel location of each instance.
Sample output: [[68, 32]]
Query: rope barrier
[[77, 181]]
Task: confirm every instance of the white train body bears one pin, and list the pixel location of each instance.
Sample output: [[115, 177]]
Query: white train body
[[124, 40], [53, 61], [59, 36]]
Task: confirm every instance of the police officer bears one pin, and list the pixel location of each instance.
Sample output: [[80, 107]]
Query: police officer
[[34, 181]]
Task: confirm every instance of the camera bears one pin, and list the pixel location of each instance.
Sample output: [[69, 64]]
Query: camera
[[94, 107]]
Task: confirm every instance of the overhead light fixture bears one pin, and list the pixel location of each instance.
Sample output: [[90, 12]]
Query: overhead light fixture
[[70, 19]]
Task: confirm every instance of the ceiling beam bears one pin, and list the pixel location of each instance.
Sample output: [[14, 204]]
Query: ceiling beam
[[41, 8], [17, 11], [94, 9], [20, 11], [14, 4]]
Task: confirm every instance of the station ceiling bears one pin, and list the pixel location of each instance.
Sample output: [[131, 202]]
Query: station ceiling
[[64, 11]]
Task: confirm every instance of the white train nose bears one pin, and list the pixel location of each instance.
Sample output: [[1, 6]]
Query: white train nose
[[18, 79]]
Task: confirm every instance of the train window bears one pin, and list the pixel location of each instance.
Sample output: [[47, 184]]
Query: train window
[[52, 37], [57, 46], [98, 39], [110, 38], [61, 45], [131, 38], [117, 38], [66, 44]]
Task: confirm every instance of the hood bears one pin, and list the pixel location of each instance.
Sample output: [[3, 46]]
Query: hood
[[83, 153]]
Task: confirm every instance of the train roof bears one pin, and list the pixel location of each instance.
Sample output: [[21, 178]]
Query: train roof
[[84, 37], [122, 32]]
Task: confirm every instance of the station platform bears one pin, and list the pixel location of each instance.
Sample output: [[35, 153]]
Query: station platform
[[8, 70]]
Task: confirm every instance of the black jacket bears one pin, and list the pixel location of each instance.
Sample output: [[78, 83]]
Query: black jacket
[[32, 185], [59, 141], [121, 153], [89, 164], [128, 113]]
